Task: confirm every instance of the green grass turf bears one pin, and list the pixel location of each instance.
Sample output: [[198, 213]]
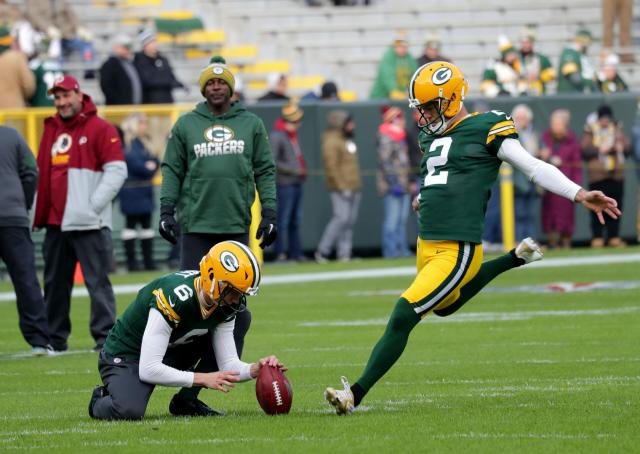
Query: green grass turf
[[525, 372]]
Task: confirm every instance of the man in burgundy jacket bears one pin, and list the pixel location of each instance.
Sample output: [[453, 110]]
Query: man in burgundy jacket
[[82, 168]]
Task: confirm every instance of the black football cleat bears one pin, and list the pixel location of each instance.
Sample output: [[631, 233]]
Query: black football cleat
[[98, 392], [180, 406]]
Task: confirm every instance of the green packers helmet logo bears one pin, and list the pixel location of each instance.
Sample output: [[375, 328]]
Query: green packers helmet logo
[[218, 133], [229, 261], [441, 76]]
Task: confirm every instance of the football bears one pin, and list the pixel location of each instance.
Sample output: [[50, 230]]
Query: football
[[273, 391]]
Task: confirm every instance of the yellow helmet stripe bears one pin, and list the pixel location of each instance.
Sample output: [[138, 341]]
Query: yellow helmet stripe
[[253, 261]]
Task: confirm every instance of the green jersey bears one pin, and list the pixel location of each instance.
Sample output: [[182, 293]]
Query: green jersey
[[457, 170], [213, 166], [174, 296], [575, 73]]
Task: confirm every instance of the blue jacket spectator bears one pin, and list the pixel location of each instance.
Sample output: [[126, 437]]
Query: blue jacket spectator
[[136, 196]]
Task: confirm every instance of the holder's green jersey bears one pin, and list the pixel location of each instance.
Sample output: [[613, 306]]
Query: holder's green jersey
[[458, 170], [174, 296]]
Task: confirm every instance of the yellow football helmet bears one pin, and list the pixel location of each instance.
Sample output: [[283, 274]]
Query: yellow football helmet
[[432, 89], [228, 267]]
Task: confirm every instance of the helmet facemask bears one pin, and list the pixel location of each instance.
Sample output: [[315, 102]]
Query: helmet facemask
[[435, 109], [227, 291]]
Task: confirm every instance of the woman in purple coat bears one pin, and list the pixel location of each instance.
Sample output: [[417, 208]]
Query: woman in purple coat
[[561, 148]]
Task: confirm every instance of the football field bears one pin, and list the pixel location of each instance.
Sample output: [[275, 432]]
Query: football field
[[545, 359]]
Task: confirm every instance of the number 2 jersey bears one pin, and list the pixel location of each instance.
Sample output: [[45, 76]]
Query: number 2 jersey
[[458, 169], [174, 296]]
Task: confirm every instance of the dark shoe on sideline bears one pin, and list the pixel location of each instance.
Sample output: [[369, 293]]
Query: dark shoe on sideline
[[98, 392], [99, 345], [191, 407], [59, 349]]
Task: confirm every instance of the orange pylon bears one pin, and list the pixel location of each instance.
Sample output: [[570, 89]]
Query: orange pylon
[[78, 278]]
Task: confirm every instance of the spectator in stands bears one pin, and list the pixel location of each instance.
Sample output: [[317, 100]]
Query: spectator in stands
[[45, 71], [119, 78], [58, 21], [525, 193], [503, 77], [431, 52], [575, 71], [620, 11], [342, 174], [9, 14], [560, 148], [536, 68], [393, 181], [291, 172], [156, 74], [82, 168], [604, 147], [609, 80], [136, 196], [238, 91], [394, 71], [217, 157], [278, 85], [19, 181], [328, 91], [17, 83]]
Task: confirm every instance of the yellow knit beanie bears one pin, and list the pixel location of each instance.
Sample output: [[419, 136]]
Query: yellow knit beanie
[[217, 69]]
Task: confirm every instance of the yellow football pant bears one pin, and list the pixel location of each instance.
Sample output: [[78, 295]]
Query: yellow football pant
[[443, 268]]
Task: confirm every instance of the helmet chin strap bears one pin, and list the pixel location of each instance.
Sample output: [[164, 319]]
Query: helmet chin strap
[[207, 303], [444, 121]]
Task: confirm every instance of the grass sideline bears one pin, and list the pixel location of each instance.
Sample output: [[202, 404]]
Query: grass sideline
[[515, 371]]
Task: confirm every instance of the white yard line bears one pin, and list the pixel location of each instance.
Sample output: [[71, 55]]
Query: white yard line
[[297, 278]]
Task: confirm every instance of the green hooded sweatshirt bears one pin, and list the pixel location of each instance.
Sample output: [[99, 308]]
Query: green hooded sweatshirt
[[212, 168], [394, 75]]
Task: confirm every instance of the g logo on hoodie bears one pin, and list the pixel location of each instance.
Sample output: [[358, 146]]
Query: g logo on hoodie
[[220, 140]]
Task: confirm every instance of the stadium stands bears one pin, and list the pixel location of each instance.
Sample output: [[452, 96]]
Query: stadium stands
[[342, 44]]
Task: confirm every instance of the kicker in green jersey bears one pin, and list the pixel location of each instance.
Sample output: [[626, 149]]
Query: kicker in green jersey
[[458, 170], [175, 297]]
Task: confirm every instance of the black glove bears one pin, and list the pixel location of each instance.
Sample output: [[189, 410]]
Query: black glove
[[168, 227], [268, 228]]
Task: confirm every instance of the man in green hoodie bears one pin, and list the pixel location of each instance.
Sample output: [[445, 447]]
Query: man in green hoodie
[[217, 156]]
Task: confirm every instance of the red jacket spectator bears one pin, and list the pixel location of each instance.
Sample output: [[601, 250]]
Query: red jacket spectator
[[93, 176], [561, 149], [82, 168]]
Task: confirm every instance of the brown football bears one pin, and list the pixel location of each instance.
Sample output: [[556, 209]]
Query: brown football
[[273, 391]]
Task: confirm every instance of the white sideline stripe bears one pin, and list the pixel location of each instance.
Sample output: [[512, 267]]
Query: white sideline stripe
[[298, 278], [480, 317], [128, 289]]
